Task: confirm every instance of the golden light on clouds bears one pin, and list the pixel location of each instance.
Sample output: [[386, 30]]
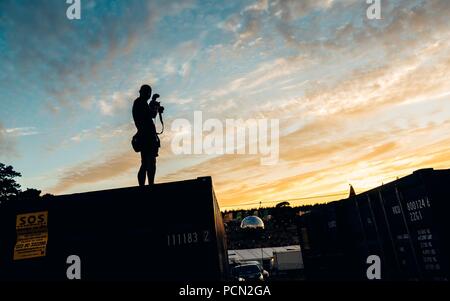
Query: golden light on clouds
[[359, 101]]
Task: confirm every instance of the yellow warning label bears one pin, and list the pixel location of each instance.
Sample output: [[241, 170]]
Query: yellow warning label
[[32, 235]]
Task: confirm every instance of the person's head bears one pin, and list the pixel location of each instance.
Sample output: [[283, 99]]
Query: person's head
[[145, 92]]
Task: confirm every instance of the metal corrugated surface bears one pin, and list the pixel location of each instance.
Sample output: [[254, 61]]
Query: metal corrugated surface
[[321, 248], [171, 231], [404, 222]]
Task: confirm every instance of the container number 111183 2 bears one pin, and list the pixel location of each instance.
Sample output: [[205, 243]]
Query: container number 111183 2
[[188, 238]]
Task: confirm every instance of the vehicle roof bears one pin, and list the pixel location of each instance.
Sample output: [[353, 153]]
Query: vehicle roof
[[247, 265]]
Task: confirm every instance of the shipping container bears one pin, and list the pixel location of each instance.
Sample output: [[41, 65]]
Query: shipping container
[[170, 231], [423, 202], [404, 223], [321, 248]]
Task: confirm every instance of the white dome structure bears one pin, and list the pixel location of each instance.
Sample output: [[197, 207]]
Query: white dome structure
[[252, 222]]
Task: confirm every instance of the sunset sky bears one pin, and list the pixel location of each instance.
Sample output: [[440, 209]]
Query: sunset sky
[[358, 101]]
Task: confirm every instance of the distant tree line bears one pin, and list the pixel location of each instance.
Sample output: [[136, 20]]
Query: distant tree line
[[11, 190], [280, 226]]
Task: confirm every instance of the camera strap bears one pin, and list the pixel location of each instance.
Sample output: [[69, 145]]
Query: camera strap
[[162, 123]]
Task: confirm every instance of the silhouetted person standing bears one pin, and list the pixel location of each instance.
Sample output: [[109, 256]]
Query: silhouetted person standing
[[148, 139]]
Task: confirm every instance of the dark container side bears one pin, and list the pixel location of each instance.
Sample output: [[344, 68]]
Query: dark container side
[[352, 237], [404, 222], [424, 199], [170, 231], [320, 244]]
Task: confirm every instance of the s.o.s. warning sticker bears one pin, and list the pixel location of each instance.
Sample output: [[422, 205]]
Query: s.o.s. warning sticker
[[32, 235]]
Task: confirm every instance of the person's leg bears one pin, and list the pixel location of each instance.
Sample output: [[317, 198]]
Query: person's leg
[[151, 170], [143, 168]]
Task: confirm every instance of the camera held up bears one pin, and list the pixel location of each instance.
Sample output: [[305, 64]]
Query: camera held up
[[156, 105]]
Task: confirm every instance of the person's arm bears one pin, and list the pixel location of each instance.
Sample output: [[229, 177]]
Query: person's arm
[[138, 116]]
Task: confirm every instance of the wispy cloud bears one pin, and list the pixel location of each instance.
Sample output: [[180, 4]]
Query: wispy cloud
[[73, 59], [359, 101], [114, 103], [7, 144], [95, 170], [103, 132], [17, 132]]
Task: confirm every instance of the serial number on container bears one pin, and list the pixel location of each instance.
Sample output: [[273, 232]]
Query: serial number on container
[[188, 238], [418, 204]]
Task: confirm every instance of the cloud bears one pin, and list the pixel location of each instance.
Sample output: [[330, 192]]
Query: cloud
[[87, 102], [75, 53], [249, 29], [353, 138], [23, 131], [309, 168], [260, 5], [8, 136], [93, 171], [348, 91], [332, 109], [264, 75], [178, 60], [282, 17], [103, 132], [115, 103], [394, 71], [7, 144], [404, 79], [248, 23], [174, 99], [289, 10], [232, 24]]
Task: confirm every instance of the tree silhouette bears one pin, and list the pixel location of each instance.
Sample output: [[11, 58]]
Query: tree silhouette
[[9, 188], [282, 205], [30, 194]]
